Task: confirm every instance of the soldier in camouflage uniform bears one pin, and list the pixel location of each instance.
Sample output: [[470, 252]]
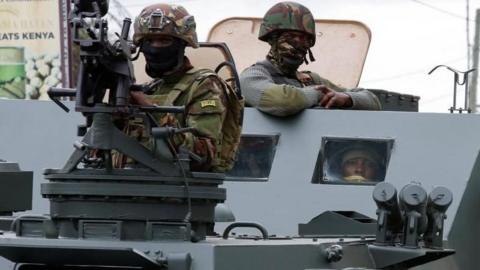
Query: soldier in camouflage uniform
[[162, 31], [275, 85]]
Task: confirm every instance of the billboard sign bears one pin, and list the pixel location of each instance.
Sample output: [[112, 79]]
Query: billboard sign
[[33, 47]]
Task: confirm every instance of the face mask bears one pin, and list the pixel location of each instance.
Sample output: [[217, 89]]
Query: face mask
[[293, 51], [163, 59], [288, 53]]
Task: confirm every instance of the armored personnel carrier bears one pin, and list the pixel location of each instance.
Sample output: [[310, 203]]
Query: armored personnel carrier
[[293, 207]]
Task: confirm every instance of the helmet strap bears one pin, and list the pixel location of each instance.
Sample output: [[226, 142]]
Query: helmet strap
[[139, 49], [310, 55]]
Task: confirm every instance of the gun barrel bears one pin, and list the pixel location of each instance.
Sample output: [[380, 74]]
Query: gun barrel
[[125, 28], [54, 93], [61, 92], [88, 6], [163, 109], [165, 132]]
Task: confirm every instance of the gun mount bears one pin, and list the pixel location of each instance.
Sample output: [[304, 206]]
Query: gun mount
[[156, 198]]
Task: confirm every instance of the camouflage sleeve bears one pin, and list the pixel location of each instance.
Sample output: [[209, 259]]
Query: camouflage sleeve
[[206, 113], [362, 99], [261, 92]]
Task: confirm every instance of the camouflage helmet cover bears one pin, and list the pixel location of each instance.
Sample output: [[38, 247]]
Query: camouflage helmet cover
[[165, 20], [287, 16]]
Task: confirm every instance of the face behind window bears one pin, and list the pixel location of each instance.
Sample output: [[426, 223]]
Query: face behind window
[[359, 169], [352, 161]]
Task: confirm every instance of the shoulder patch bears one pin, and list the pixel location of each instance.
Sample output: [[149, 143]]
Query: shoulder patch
[[208, 103]]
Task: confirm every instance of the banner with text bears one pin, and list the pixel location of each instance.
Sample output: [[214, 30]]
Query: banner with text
[[33, 47]]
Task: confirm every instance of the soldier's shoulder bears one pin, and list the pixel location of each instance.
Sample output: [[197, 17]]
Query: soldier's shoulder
[[316, 78], [260, 66], [205, 80], [201, 74]]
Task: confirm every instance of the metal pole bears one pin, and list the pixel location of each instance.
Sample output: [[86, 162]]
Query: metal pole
[[455, 81], [465, 78], [468, 35], [473, 86]]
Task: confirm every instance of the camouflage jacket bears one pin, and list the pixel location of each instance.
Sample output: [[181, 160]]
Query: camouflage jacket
[[267, 89], [204, 110]]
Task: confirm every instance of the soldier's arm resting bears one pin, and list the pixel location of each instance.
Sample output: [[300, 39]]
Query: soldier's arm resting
[[261, 92], [362, 99], [334, 99]]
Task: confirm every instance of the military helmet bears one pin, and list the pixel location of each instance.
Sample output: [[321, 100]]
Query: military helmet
[[288, 16], [365, 153], [165, 20]]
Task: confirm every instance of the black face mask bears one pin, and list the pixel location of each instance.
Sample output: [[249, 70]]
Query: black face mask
[[290, 64], [163, 59]]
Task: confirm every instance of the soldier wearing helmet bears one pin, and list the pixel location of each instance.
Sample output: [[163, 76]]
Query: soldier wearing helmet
[[354, 161], [162, 31], [275, 85], [360, 165]]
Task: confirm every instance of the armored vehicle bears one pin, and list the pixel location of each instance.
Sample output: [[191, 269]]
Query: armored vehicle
[[292, 205]]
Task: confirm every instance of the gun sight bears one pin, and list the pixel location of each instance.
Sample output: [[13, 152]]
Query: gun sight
[[90, 8]]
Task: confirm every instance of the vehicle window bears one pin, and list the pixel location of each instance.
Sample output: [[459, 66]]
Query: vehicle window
[[254, 158], [352, 161]]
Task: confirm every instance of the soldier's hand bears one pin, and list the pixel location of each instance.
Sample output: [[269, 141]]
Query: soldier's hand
[[139, 98], [333, 99]]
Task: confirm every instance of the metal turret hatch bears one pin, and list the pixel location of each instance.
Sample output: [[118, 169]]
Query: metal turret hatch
[[341, 47], [340, 50]]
